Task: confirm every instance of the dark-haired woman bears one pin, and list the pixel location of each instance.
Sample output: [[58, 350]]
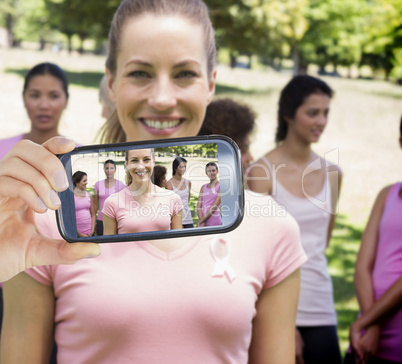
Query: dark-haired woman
[[105, 188], [45, 96], [308, 187], [182, 187], [158, 177], [84, 206], [209, 199]]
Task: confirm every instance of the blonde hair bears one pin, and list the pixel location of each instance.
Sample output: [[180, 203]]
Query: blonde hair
[[195, 10]]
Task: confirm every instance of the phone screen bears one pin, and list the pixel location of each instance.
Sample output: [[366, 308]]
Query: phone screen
[[152, 190]]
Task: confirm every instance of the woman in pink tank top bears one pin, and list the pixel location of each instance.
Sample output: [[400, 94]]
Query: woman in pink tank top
[[84, 205], [376, 336], [209, 199]]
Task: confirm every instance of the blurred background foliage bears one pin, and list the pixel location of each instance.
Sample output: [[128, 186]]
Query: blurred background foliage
[[326, 33]]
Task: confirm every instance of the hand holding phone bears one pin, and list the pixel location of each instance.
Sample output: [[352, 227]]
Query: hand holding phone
[[29, 175]]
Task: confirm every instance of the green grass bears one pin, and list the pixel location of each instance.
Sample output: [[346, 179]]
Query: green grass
[[341, 255], [193, 208]]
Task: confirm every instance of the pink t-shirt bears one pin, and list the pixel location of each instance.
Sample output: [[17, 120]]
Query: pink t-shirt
[[133, 217], [104, 193], [138, 304], [83, 213], [7, 144]]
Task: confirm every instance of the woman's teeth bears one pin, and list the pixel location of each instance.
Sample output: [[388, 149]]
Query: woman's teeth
[[156, 124]]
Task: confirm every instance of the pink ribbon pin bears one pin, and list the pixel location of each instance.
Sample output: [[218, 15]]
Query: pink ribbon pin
[[220, 250]]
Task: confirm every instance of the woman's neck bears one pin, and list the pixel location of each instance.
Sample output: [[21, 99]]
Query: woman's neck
[[144, 189], [296, 151], [79, 191], [213, 182], [177, 177], [39, 136]]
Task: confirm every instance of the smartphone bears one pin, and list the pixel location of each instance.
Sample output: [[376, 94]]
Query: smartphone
[[137, 209]]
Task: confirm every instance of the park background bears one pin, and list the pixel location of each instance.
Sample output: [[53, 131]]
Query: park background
[[355, 46]]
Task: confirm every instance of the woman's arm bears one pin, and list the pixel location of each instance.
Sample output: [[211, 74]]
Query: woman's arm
[[335, 181], [176, 222], [96, 204], [273, 338], [189, 190], [93, 210], [364, 267], [199, 207], [27, 333], [169, 185], [258, 178], [212, 209], [384, 306], [96, 200], [29, 176], [109, 225]]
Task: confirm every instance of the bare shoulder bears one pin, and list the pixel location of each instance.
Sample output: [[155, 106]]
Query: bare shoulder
[[382, 195], [169, 184], [258, 175]]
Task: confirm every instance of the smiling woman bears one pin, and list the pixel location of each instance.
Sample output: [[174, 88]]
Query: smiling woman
[[142, 206], [181, 300], [45, 96], [307, 186]]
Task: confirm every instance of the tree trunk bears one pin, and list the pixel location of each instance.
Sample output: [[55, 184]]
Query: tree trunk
[[82, 39], [250, 56], [296, 60], [232, 60], [69, 45], [9, 20]]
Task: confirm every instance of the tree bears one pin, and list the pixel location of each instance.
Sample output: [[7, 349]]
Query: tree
[[285, 23], [84, 18], [237, 27], [336, 32], [9, 13], [384, 36]]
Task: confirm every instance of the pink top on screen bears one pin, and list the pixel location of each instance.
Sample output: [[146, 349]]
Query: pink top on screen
[[105, 192], [133, 217], [83, 213]]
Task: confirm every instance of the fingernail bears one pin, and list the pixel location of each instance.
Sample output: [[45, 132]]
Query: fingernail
[[60, 179], [64, 141], [54, 198], [40, 203], [90, 256]]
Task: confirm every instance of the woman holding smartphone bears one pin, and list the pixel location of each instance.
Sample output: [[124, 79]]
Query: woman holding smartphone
[[168, 301]]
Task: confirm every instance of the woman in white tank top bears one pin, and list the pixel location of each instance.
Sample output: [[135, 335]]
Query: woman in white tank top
[[308, 187], [182, 187]]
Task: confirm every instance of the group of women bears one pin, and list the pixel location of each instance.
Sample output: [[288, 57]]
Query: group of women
[[138, 207], [229, 298]]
